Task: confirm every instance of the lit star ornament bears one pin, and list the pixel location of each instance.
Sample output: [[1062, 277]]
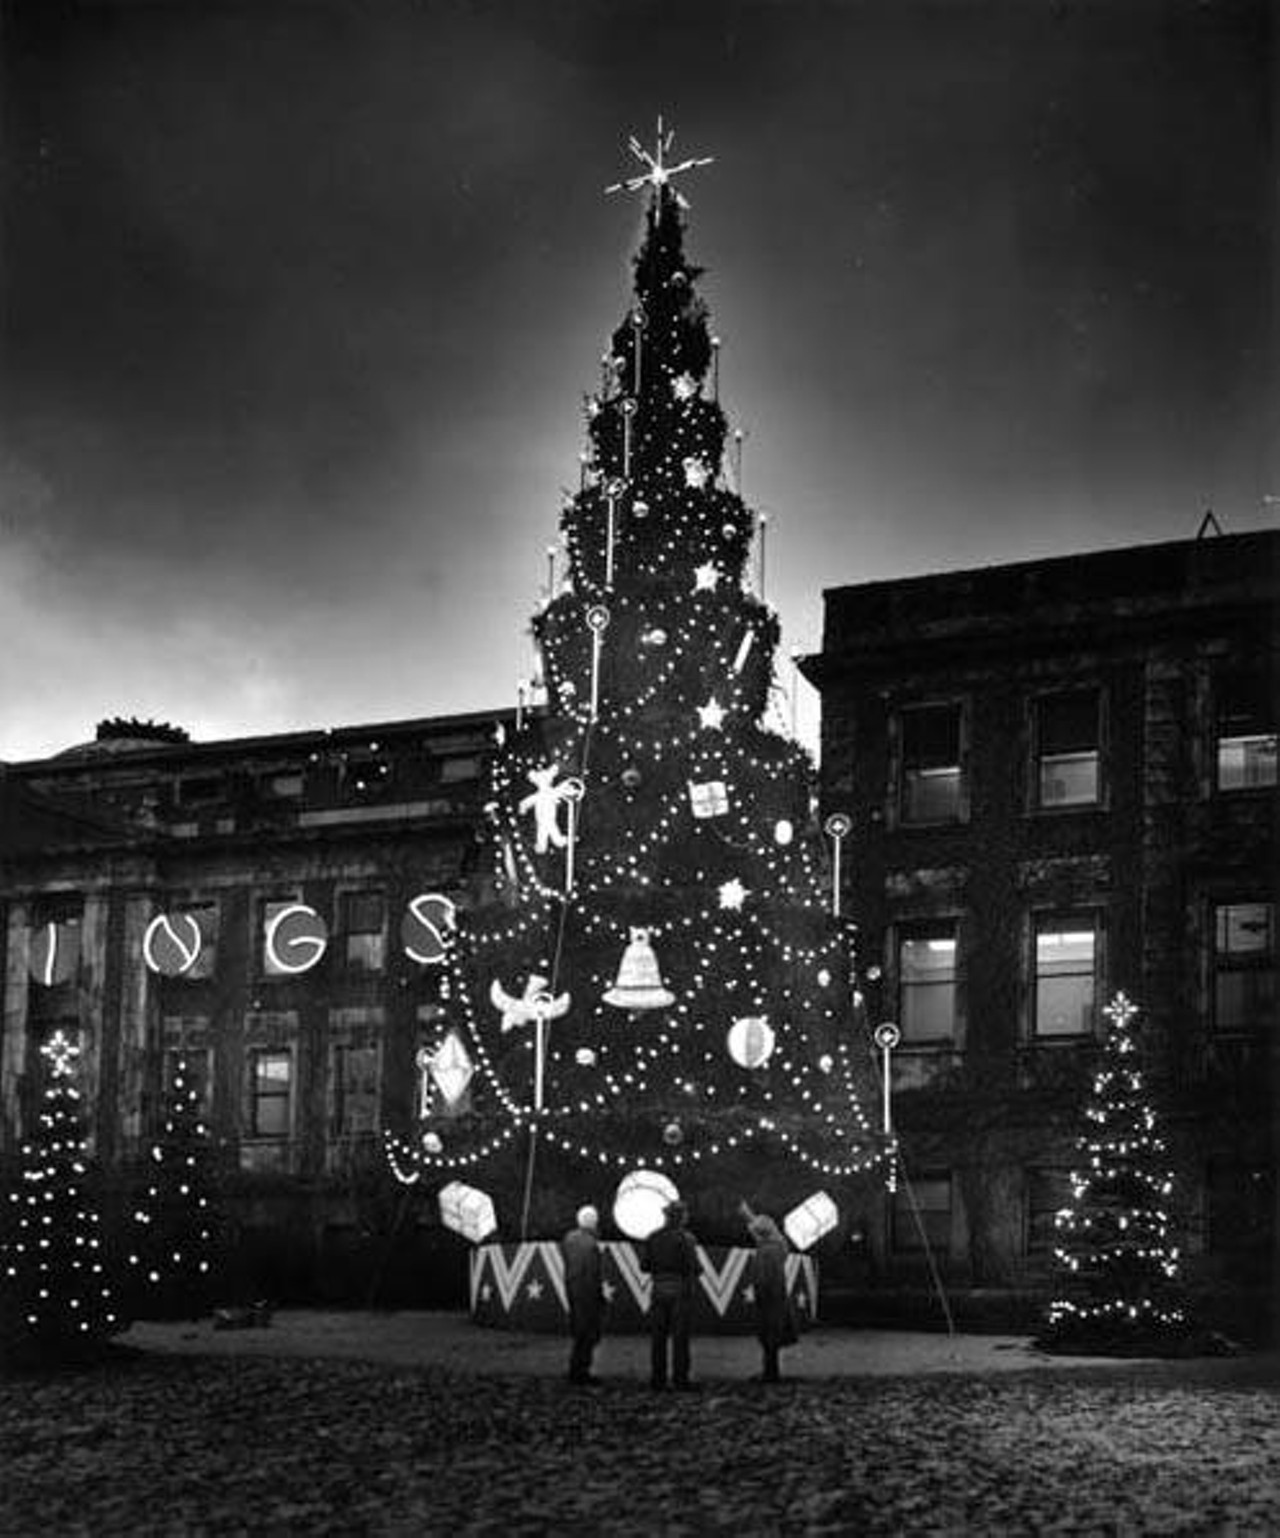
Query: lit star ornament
[[61, 1052], [711, 715], [696, 473], [733, 894], [659, 173], [705, 578], [684, 387]]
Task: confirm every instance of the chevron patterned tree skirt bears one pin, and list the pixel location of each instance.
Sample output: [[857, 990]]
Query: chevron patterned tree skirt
[[521, 1287]]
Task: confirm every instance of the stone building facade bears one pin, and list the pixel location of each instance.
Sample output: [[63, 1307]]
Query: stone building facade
[[1062, 780], [139, 881]]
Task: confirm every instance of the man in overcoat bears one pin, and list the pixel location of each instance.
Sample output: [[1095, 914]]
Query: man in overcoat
[[670, 1256], [584, 1285]]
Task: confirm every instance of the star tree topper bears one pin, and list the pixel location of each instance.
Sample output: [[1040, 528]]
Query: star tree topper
[[61, 1052], [659, 173]]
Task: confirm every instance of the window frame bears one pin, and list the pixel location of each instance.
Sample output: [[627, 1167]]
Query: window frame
[[1037, 706], [903, 1240], [909, 931], [1063, 920], [1266, 963], [900, 768], [1243, 680], [345, 897], [253, 1131]]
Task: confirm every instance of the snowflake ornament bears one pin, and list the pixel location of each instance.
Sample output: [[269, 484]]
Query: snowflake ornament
[[696, 473], [732, 895], [684, 387]]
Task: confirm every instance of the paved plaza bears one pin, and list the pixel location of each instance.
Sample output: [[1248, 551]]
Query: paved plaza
[[423, 1423]]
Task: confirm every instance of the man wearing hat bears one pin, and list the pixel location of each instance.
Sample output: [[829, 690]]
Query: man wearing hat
[[671, 1259], [584, 1285]]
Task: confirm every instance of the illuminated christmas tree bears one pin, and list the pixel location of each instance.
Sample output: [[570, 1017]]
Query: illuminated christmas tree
[[1117, 1267], [651, 985], [55, 1298], [171, 1233]]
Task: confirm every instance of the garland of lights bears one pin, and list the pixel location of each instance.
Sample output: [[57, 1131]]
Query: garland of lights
[[683, 901]]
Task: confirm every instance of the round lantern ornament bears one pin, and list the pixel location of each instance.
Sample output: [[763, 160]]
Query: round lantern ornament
[[585, 1057], [751, 1041], [673, 1134], [640, 1202], [783, 832], [631, 777], [887, 1036], [432, 1143]]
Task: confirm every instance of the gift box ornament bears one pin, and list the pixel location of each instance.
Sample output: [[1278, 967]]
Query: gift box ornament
[[815, 1216], [467, 1211], [639, 983], [709, 799]]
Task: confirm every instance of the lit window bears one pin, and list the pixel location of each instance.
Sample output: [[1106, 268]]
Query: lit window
[[364, 930], [355, 1090], [1246, 734], [1067, 756], [1065, 970], [271, 1093], [927, 983], [1244, 972], [921, 1216], [1048, 1192], [931, 775]]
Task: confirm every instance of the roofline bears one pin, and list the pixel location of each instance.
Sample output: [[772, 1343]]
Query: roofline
[[168, 751], [1108, 552]]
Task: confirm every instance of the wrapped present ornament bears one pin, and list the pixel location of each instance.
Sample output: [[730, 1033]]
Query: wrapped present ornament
[[639, 983], [709, 799], [467, 1211]]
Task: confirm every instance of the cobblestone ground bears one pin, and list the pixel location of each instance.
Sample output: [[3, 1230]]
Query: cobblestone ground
[[155, 1444]]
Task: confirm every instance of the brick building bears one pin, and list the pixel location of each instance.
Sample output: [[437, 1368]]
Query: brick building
[[300, 1057], [1062, 778]]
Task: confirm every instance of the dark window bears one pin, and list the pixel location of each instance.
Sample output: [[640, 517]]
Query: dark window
[[1067, 749], [1240, 1210], [459, 767], [927, 982], [1244, 965], [1246, 733], [201, 790], [1066, 959], [364, 930], [355, 1090], [270, 1093], [195, 1065], [931, 775], [922, 1211], [1048, 1192]]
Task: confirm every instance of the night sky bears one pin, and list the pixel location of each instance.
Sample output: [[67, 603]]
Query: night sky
[[300, 303]]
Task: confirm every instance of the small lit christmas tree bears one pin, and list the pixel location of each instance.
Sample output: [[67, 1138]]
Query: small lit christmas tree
[[171, 1233], [1117, 1275], [55, 1298]]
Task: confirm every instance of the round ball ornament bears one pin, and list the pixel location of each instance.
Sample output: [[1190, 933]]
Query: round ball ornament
[[432, 1143], [585, 1057], [728, 530], [887, 1036], [631, 777], [824, 978], [826, 1062], [639, 509], [640, 1202], [783, 832], [673, 1134], [655, 637], [751, 1041]]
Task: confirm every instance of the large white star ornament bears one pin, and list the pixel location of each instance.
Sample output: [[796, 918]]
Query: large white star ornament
[[659, 173], [684, 387], [705, 577], [711, 715], [733, 894], [696, 473]]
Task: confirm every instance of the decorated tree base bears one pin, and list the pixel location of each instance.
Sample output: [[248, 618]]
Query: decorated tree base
[[521, 1287]]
